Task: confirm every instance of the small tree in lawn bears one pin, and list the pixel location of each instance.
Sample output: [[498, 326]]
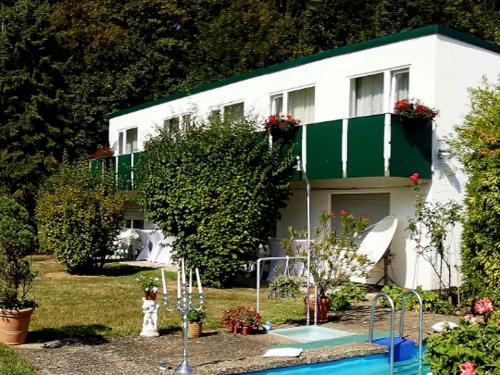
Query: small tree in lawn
[[17, 240], [217, 187], [79, 213]]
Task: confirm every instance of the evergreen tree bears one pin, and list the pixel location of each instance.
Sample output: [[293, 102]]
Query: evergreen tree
[[34, 130]]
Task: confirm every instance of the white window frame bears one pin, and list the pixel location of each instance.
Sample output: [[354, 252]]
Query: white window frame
[[170, 119], [123, 145], [285, 93], [394, 73], [221, 108], [388, 87]]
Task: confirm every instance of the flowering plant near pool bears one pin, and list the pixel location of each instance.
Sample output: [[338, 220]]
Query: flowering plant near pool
[[242, 319], [471, 348], [148, 284], [413, 109]]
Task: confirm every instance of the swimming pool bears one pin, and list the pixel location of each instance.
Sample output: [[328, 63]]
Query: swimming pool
[[368, 365]]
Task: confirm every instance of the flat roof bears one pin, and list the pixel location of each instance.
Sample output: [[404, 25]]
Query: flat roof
[[377, 42]]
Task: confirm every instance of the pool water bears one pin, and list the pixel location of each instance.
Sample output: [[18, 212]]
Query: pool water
[[368, 365]]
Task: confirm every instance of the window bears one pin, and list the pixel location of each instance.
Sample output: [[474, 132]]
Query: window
[[134, 223], [186, 119], [375, 206], [277, 104], [171, 124], [127, 141], [299, 103], [234, 112], [400, 85], [215, 115], [368, 95]]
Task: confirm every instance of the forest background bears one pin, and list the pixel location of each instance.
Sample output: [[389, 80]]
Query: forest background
[[66, 65]]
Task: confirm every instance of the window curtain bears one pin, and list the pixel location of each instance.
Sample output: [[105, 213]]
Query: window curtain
[[401, 89], [301, 105], [369, 98]]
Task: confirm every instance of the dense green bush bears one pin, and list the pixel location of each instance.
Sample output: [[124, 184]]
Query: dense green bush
[[475, 343], [79, 213], [346, 296], [286, 286], [477, 143], [218, 188], [16, 241], [432, 301]]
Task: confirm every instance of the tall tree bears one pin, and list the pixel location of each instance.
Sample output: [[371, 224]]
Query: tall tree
[[123, 53], [34, 129]]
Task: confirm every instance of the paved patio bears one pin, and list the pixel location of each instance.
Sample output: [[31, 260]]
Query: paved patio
[[217, 352]]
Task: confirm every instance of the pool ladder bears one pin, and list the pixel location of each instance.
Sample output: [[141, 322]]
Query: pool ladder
[[401, 324]]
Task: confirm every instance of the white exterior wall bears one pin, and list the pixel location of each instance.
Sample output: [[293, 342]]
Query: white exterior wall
[[331, 78], [441, 70]]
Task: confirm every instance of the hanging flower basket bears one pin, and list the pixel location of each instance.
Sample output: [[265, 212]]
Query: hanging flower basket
[[102, 153], [413, 112], [281, 127]]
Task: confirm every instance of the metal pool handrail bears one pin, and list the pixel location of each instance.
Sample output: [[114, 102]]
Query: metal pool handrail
[[372, 324], [258, 274], [420, 323]]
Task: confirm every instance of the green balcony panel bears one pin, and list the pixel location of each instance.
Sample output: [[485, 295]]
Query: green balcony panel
[[411, 148], [124, 172], [137, 161], [324, 150], [365, 146], [95, 166]]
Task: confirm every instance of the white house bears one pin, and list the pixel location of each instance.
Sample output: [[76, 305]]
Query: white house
[[356, 153]]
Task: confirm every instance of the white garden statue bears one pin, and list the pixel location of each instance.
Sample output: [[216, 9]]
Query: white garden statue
[[150, 321]]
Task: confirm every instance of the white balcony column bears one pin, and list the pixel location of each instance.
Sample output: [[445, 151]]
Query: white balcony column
[[345, 128], [387, 144]]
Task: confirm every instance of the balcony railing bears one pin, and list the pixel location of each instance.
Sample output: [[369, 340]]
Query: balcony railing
[[371, 146], [124, 167]]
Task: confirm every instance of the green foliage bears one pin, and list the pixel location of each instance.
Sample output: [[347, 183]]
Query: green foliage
[[285, 286], [13, 363], [196, 315], [433, 301], [218, 188], [79, 213], [345, 296], [477, 143], [475, 343], [148, 283], [34, 126], [334, 256], [430, 228], [16, 241]]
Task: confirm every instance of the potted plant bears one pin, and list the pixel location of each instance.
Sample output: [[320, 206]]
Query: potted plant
[[412, 111], [150, 286], [334, 256], [17, 240], [195, 327], [242, 319], [281, 127]]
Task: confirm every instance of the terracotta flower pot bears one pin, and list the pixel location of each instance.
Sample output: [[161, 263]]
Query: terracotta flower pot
[[323, 308], [150, 296], [195, 329], [14, 325], [246, 330]]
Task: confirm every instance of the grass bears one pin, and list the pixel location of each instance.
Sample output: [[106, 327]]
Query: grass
[[109, 304], [12, 363]]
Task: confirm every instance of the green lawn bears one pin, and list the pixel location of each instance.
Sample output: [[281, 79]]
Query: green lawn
[[12, 363], [110, 304]]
